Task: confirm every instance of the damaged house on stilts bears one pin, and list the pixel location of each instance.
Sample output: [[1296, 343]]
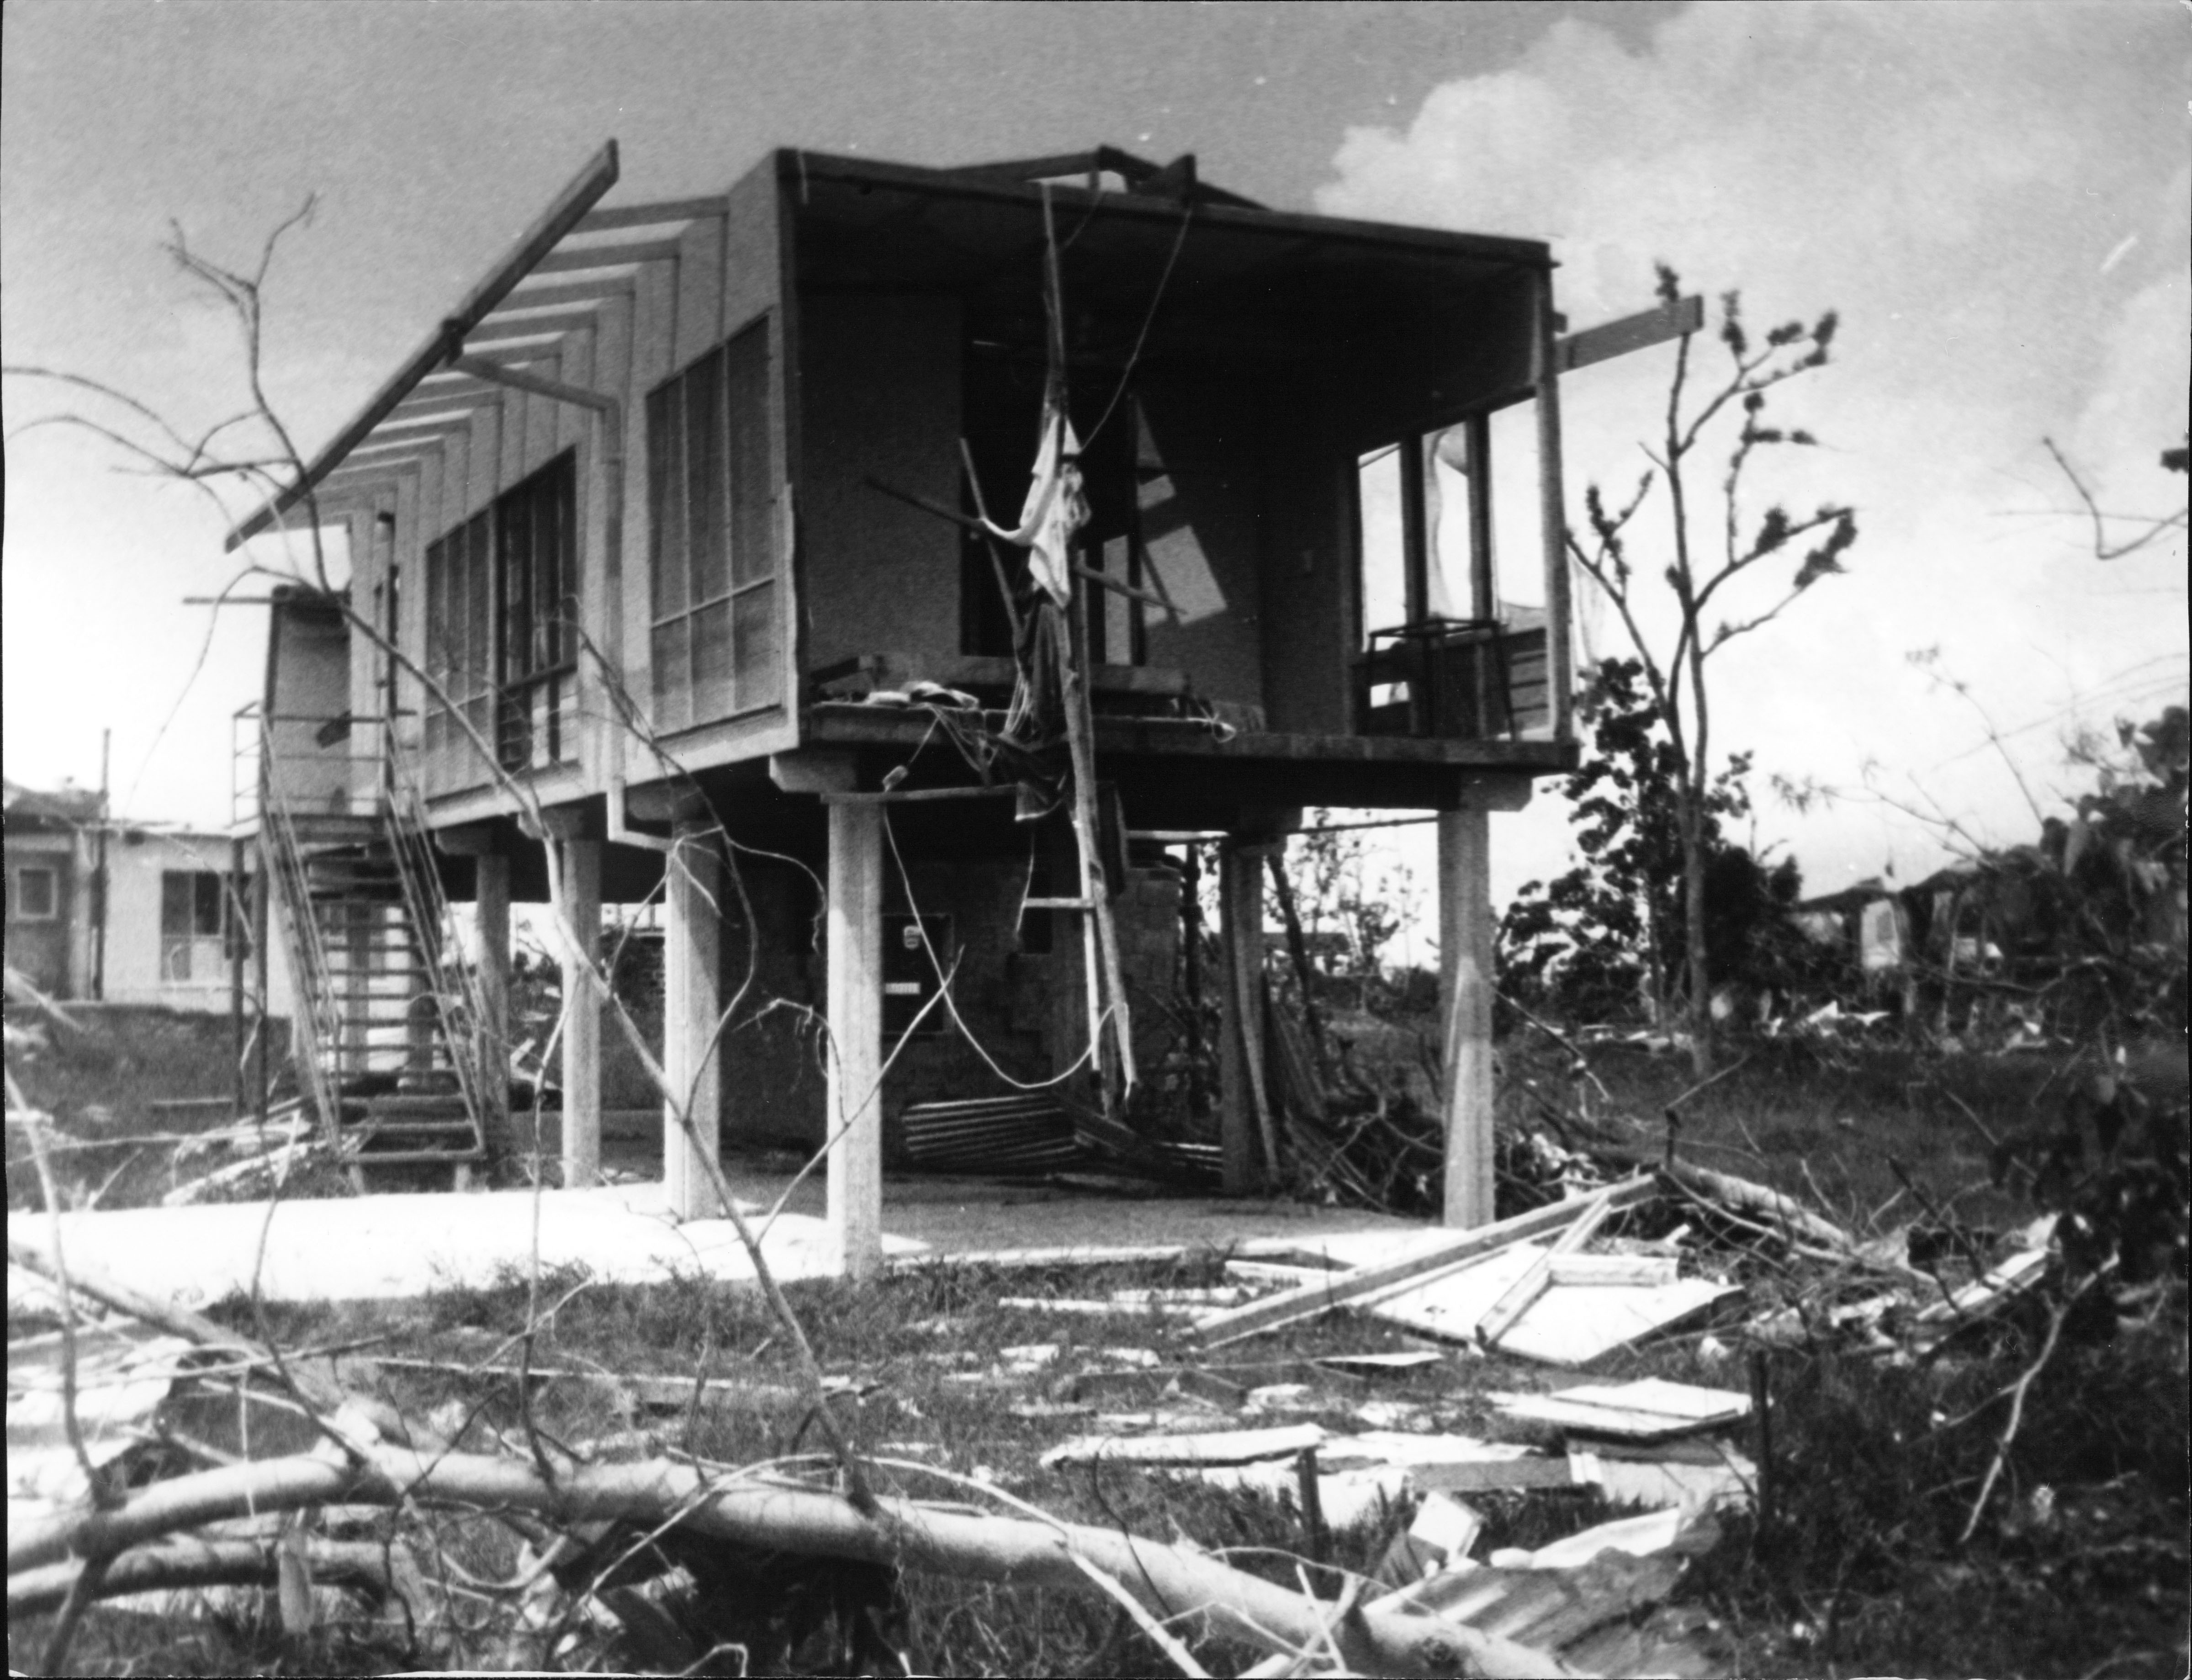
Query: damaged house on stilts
[[885, 566]]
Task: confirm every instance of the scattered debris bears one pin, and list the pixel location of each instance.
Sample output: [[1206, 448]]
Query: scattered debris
[[1450, 1252], [1228, 1446], [1012, 1136], [1568, 1326], [1652, 1410]]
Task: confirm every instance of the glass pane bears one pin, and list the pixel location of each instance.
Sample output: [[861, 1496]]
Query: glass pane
[[1382, 545], [206, 907], [478, 668], [666, 497], [437, 611], [706, 488], [1446, 494], [1518, 511], [753, 495], [174, 903], [671, 657], [756, 648], [711, 662], [563, 553], [515, 530]]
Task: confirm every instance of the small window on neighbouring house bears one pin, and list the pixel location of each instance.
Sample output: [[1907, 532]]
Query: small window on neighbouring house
[[716, 645], [193, 903], [193, 909], [37, 897]]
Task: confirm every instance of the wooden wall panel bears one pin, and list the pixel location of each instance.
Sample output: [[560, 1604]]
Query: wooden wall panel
[[879, 384]]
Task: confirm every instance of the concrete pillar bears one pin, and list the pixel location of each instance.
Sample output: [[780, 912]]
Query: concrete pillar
[[582, 1016], [1466, 981], [855, 1014], [491, 918], [692, 1059], [1244, 1123]]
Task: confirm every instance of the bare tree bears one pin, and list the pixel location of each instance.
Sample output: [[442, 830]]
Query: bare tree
[[1699, 567]]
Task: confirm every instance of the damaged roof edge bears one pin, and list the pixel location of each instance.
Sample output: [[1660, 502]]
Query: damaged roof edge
[[561, 215], [794, 167]]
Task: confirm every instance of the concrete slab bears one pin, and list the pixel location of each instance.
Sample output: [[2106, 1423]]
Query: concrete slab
[[398, 1247]]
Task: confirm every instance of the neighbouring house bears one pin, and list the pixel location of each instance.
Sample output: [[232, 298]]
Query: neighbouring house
[[667, 549], [113, 911]]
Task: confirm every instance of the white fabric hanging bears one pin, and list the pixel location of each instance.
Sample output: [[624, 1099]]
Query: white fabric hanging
[[1055, 507]]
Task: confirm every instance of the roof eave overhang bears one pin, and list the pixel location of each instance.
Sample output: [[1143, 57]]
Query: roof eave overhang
[[448, 338]]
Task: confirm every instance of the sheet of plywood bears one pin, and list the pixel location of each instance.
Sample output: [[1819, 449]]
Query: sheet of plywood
[[1571, 1325]]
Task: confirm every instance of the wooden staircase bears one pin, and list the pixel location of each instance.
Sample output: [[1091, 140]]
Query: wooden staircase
[[386, 1041]]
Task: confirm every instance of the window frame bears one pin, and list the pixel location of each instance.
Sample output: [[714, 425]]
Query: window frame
[[21, 872], [511, 664], [714, 574]]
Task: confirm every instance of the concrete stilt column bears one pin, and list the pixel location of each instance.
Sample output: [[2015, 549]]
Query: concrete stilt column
[[692, 1002], [582, 1018], [1466, 979], [491, 918], [855, 1013]]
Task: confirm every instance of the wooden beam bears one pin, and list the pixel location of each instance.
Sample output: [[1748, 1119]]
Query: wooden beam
[[855, 991], [581, 259], [582, 1021], [692, 1001], [1244, 1130], [1321, 1296], [606, 218], [1465, 972], [607, 290], [532, 246], [1552, 515], [1632, 331], [504, 328], [437, 398]]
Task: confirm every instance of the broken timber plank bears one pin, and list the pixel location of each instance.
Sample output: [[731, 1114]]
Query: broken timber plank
[[1570, 1326], [1493, 1475], [1319, 1296], [1536, 1280], [1641, 1271], [1649, 1410], [1221, 1446]]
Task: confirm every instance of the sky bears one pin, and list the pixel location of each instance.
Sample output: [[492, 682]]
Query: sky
[[1993, 197]]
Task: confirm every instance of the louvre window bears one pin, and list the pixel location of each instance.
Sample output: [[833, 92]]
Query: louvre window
[[715, 647], [502, 605]]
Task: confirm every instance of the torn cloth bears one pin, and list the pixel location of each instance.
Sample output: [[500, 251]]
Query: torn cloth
[[1055, 507]]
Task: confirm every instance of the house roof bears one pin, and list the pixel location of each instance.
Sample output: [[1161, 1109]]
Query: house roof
[[62, 807], [926, 226]]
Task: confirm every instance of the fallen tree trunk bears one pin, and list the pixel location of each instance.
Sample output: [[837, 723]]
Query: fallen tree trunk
[[1782, 1213], [185, 1561], [1171, 1581]]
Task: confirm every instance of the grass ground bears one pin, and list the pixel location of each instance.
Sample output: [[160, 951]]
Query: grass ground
[[111, 1077], [2077, 1568], [1857, 1570]]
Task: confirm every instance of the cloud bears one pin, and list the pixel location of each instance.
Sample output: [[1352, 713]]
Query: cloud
[[1994, 197]]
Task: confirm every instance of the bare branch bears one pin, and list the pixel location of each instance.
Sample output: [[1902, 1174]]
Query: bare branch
[[2103, 548]]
